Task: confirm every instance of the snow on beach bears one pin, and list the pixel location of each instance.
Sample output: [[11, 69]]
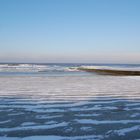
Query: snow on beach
[[69, 107]]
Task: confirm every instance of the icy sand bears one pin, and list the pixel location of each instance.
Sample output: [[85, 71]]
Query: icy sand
[[69, 108]]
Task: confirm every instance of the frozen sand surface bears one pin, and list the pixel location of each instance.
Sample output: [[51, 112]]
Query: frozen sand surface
[[70, 107], [68, 88]]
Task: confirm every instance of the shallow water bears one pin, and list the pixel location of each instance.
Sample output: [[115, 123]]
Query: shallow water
[[69, 107]]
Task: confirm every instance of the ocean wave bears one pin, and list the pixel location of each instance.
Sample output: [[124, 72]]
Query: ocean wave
[[35, 68], [61, 68]]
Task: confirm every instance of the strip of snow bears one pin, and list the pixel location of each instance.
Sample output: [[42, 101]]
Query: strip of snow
[[135, 115], [93, 137], [90, 121], [88, 115], [124, 131], [47, 117], [94, 108], [34, 127], [3, 122], [28, 124]]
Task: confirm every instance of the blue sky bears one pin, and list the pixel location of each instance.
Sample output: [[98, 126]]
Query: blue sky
[[88, 31]]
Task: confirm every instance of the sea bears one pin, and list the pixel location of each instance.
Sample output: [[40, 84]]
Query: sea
[[51, 101]]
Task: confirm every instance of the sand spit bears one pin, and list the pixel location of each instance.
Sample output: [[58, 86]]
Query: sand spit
[[112, 72]]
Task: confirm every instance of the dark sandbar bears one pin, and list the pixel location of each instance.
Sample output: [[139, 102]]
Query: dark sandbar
[[112, 72]]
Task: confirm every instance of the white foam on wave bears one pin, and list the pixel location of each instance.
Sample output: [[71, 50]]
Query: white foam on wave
[[35, 68], [22, 68]]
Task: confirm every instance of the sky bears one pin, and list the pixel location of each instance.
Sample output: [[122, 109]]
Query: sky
[[70, 31]]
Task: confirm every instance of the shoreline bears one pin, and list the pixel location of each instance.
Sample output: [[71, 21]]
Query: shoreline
[[112, 72]]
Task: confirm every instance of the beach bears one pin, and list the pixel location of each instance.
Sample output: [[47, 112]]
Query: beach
[[69, 70], [69, 107]]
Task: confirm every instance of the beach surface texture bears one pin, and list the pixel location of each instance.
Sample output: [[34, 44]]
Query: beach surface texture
[[68, 105]]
